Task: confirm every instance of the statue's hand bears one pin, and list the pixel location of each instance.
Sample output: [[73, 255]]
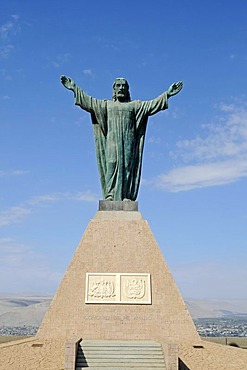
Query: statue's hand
[[68, 82], [174, 88]]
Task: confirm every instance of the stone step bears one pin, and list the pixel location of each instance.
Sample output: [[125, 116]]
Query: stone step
[[124, 367], [124, 351], [120, 355], [124, 357], [100, 361], [120, 343]]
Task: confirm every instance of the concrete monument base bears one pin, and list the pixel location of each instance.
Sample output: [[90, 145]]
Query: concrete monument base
[[118, 295], [118, 286]]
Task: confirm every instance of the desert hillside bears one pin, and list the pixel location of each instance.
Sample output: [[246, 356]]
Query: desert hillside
[[18, 310]]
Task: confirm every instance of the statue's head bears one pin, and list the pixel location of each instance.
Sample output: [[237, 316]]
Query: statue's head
[[121, 90]]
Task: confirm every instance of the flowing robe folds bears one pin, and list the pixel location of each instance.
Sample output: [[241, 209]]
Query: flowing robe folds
[[119, 133]]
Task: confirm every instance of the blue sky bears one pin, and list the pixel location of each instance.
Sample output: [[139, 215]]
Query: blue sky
[[194, 178]]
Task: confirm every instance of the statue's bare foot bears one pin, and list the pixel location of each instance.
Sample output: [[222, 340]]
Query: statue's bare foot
[[109, 197], [127, 200]]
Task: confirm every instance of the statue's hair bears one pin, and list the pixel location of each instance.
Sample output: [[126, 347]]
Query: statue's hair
[[128, 99]]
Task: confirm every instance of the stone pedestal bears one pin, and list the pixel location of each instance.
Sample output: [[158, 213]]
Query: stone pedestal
[[118, 286], [106, 205], [118, 293]]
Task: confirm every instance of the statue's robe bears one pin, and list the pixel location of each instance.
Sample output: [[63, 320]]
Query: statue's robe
[[119, 133]]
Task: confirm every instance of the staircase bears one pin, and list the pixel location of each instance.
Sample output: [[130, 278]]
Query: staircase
[[113, 355]]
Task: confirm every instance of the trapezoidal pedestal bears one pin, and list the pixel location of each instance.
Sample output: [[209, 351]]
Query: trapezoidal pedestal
[[118, 287]]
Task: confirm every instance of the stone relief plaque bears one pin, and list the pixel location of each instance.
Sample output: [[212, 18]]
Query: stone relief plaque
[[101, 288], [135, 288], [118, 288]]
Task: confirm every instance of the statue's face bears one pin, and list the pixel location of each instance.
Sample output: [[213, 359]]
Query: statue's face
[[121, 89]]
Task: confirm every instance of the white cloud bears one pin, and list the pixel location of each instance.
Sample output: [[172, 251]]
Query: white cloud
[[5, 75], [20, 212], [7, 32], [211, 279], [13, 214], [13, 173], [45, 198], [154, 140], [88, 72], [227, 138], [15, 16], [203, 175], [6, 50], [219, 157], [21, 266], [60, 60], [87, 196], [5, 240], [6, 29]]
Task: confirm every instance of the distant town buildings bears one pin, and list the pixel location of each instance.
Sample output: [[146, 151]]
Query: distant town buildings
[[222, 327], [217, 327]]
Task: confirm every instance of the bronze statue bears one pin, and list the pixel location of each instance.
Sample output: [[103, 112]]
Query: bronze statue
[[119, 132]]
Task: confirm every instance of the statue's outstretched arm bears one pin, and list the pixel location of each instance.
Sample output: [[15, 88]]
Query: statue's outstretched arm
[[68, 83], [81, 98], [174, 89]]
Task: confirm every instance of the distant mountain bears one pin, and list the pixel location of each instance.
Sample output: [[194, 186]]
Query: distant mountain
[[216, 308], [19, 310], [25, 310]]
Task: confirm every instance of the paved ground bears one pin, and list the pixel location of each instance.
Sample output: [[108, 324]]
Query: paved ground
[[214, 357], [31, 354]]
